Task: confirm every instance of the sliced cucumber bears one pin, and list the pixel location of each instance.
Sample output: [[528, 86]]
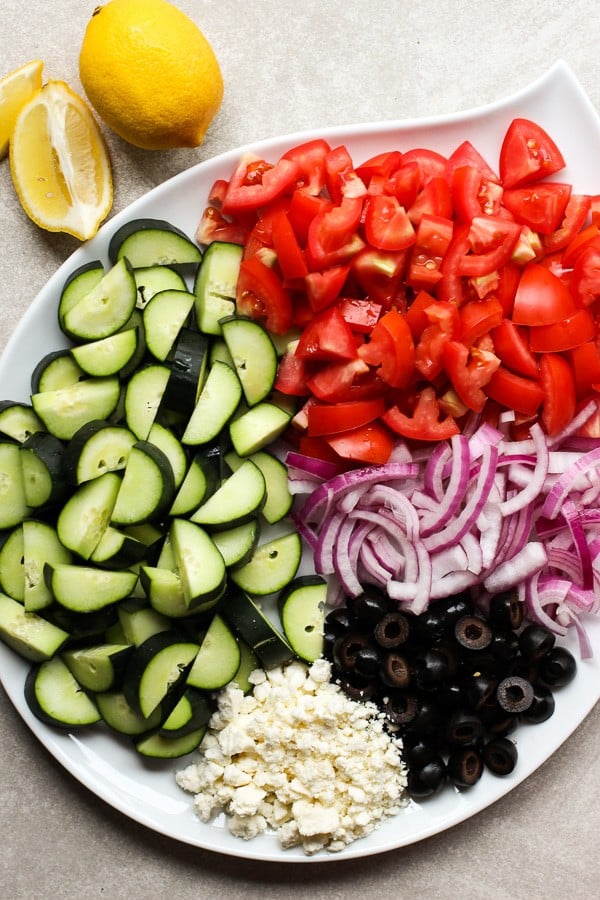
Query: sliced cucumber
[[54, 371], [42, 460], [239, 498], [150, 242], [155, 668], [164, 317], [302, 611], [253, 627], [139, 621], [199, 564], [27, 633], [253, 355], [191, 712], [236, 545], [55, 697], [217, 660], [216, 404], [96, 448], [148, 486], [64, 411], [12, 564], [150, 280], [40, 546], [165, 439], [273, 565], [259, 426], [13, 498], [77, 286], [118, 714], [118, 550], [188, 371], [158, 746], [200, 482], [86, 515], [86, 589], [107, 356], [164, 590], [215, 285], [143, 396], [98, 668], [18, 420], [249, 663], [106, 308], [279, 497]]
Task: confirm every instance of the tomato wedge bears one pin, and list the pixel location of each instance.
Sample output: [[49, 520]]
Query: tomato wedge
[[327, 337], [512, 391], [558, 384], [391, 349], [571, 332], [541, 298], [332, 418], [527, 154], [372, 443], [387, 226], [512, 349], [425, 423], [469, 372], [585, 362], [541, 206], [248, 191], [261, 295]]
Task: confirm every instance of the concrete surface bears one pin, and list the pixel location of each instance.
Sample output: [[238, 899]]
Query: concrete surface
[[289, 66]]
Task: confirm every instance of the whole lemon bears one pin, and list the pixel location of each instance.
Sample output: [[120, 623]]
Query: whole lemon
[[150, 73]]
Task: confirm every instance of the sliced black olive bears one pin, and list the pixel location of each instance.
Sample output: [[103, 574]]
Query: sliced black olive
[[504, 645], [465, 766], [369, 607], [454, 608], [367, 662], [425, 781], [395, 670], [429, 626], [500, 756], [450, 651], [463, 727], [338, 621], [450, 695], [431, 669], [514, 694], [506, 611], [473, 633], [357, 688], [498, 722], [480, 691], [346, 649], [558, 667], [428, 717], [535, 642], [400, 707], [541, 708], [418, 749], [391, 630]]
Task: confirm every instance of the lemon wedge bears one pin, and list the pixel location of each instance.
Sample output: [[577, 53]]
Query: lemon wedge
[[16, 89], [60, 164]]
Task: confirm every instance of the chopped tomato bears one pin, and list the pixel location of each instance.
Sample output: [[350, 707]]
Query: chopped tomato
[[478, 317], [261, 295], [341, 179], [585, 362], [571, 332], [337, 381], [434, 234], [214, 226], [558, 384], [292, 375], [512, 349], [310, 159], [332, 418], [332, 238], [541, 298], [378, 272], [302, 209], [473, 195], [585, 281], [290, 257], [416, 315], [513, 391], [433, 199], [467, 155], [542, 206], [444, 326], [372, 443], [469, 372], [361, 315], [576, 213], [578, 244], [404, 183], [383, 165], [527, 154], [247, 191], [391, 349], [425, 423], [431, 163], [323, 288], [492, 240], [327, 337], [387, 226]]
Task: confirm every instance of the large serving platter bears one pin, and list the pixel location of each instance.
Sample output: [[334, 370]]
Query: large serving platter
[[145, 790]]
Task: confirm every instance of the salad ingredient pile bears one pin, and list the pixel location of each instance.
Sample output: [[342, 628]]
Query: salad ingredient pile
[[150, 73], [298, 756]]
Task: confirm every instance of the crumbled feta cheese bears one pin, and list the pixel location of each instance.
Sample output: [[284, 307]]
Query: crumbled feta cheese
[[298, 756]]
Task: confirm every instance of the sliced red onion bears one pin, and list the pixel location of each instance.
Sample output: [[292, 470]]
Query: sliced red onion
[[527, 562], [564, 483]]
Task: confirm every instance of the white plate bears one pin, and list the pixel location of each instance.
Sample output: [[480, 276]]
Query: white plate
[[146, 791]]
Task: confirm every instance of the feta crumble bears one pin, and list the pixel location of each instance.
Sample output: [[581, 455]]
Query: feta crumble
[[300, 757]]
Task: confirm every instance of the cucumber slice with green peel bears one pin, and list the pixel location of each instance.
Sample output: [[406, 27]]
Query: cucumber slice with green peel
[[95, 449], [217, 660], [253, 354], [83, 627], [54, 371], [12, 564], [106, 308], [191, 712], [164, 591], [217, 402], [166, 557], [302, 611], [200, 481], [273, 565], [199, 564], [42, 460], [86, 589], [237, 545], [117, 550], [140, 622], [148, 486], [78, 285], [164, 317], [19, 420], [155, 668], [65, 410], [239, 498], [143, 396], [279, 497], [13, 497], [219, 351], [151, 242], [158, 746], [56, 698], [107, 356], [249, 663], [40, 546], [256, 630], [259, 426], [136, 323], [117, 713], [215, 285], [150, 280], [98, 668], [27, 633], [165, 439], [188, 370], [86, 515]]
